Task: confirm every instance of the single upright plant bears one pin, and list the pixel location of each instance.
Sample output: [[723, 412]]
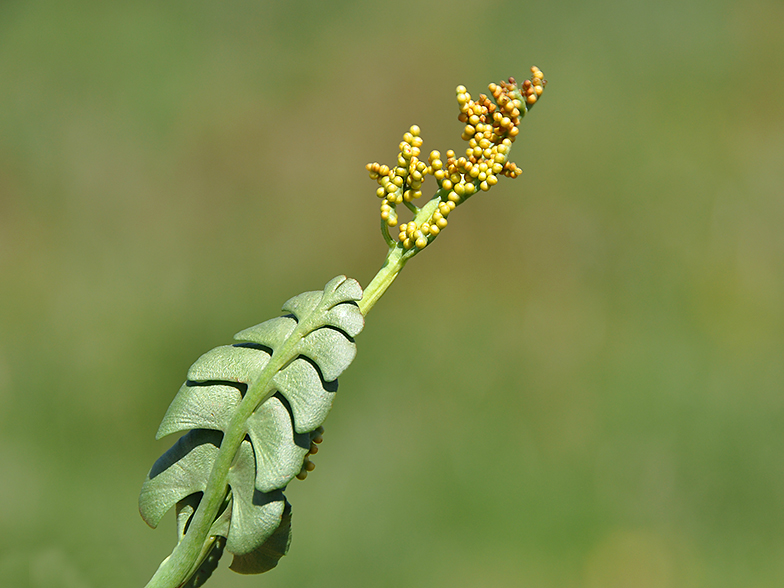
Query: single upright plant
[[253, 410]]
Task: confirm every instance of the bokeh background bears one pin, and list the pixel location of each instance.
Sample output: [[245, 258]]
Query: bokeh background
[[579, 385]]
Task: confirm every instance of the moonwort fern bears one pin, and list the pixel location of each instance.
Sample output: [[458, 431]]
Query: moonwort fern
[[253, 410]]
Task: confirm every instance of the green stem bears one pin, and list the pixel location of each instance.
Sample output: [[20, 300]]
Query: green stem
[[184, 560], [393, 263], [385, 233], [397, 256], [411, 206]]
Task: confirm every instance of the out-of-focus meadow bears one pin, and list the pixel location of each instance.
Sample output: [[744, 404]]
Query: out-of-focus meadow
[[581, 384]]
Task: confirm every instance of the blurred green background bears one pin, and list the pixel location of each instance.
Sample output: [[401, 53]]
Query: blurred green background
[[579, 385]]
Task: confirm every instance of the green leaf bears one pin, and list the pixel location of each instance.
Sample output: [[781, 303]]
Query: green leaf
[[279, 457], [266, 556], [255, 514], [250, 410], [180, 472]]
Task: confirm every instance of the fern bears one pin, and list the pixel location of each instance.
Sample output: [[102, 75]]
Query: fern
[[253, 410]]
